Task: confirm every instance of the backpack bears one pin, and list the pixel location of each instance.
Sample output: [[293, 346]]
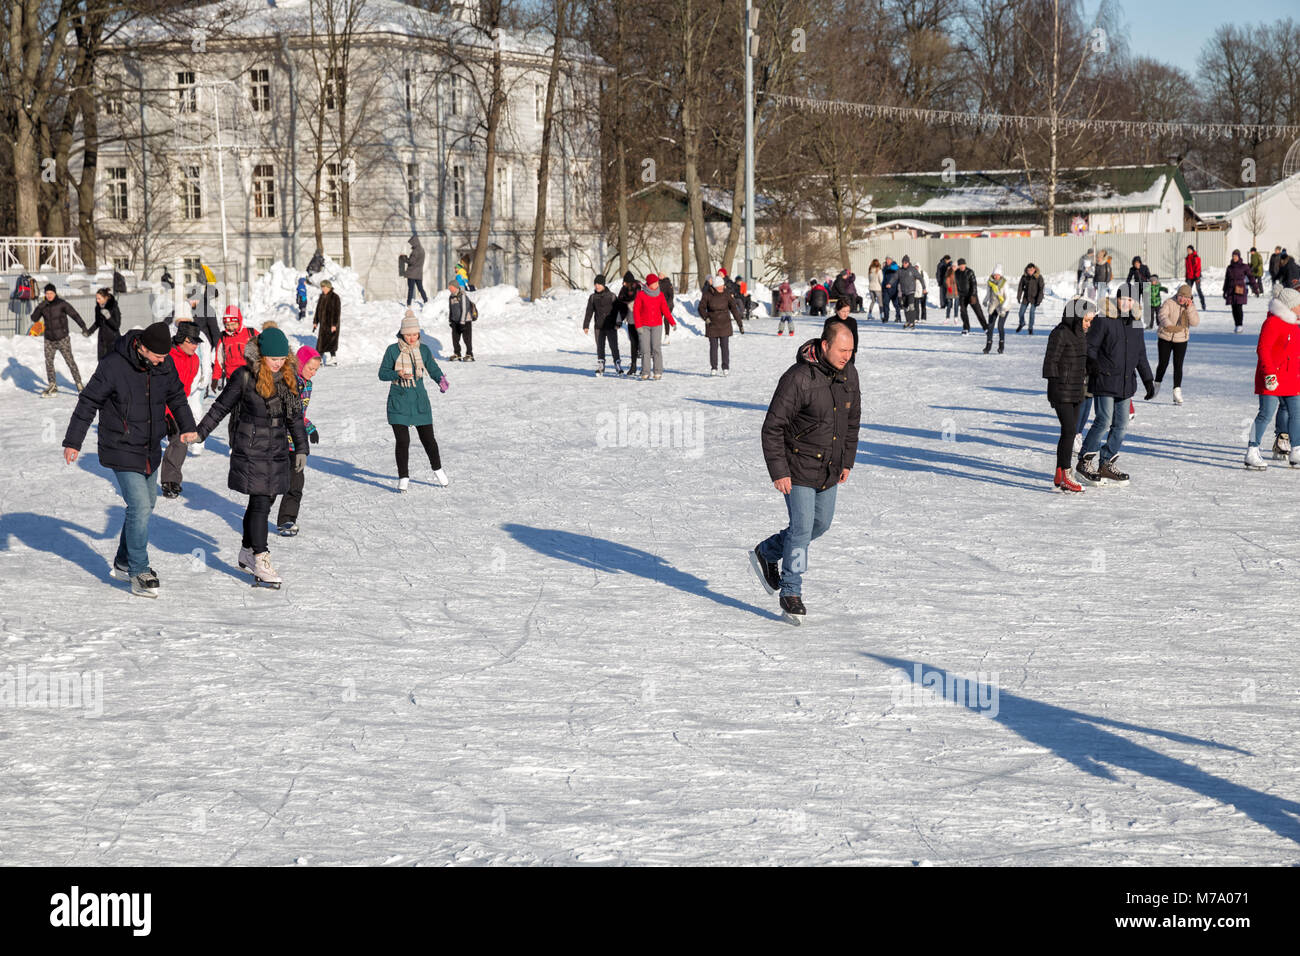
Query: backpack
[[119, 282], [402, 261], [25, 289]]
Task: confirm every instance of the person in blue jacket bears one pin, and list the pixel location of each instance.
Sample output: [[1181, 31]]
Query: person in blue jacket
[[1117, 355]]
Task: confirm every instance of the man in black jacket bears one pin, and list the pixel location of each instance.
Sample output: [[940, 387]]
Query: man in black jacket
[[55, 312], [968, 296], [810, 443], [1117, 355], [600, 306], [131, 390]]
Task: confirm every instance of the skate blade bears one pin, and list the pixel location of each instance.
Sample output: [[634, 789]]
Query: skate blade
[[793, 619], [144, 592], [1256, 467], [270, 585], [758, 570]]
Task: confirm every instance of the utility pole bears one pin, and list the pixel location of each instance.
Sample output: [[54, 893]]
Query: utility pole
[[137, 69], [751, 50]]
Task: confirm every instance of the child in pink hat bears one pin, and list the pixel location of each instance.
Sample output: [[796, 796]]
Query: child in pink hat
[[309, 363]]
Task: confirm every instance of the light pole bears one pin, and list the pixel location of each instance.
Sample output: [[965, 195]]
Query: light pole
[[751, 50]]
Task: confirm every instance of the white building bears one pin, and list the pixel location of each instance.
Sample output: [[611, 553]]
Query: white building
[[1261, 217], [248, 130]]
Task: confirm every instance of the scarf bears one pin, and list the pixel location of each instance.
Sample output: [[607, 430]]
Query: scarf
[[410, 360]]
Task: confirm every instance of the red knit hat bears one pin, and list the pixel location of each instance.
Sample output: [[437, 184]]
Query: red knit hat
[[232, 312], [651, 279]]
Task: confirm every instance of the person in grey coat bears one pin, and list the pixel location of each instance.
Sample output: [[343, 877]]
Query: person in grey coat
[[415, 271]]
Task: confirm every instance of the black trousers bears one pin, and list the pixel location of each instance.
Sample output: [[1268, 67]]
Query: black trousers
[[1238, 314], [403, 435], [608, 337], [413, 286], [462, 330], [290, 503], [1165, 350], [722, 343], [256, 516], [972, 303], [998, 317], [1068, 414], [634, 345]]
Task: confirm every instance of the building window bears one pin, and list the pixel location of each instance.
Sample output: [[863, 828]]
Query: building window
[[113, 101], [334, 90], [192, 271], [333, 189], [117, 205], [413, 189], [455, 97], [121, 263], [187, 94], [458, 190], [262, 265], [259, 92], [539, 101], [264, 191], [410, 90], [191, 193], [503, 192]]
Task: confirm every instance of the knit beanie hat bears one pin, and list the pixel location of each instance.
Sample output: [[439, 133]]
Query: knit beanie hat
[[305, 355], [409, 324], [157, 338], [1284, 300], [1184, 289], [961, 262], [600, 279], [273, 344], [49, 287]]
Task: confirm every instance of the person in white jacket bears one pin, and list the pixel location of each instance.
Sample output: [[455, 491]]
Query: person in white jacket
[[995, 301]]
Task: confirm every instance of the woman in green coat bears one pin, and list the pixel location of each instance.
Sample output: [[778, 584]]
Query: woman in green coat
[[407, 363]]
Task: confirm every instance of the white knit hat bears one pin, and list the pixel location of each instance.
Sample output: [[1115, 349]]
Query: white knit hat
[[997, 269], [409, 323], [1284, 301]]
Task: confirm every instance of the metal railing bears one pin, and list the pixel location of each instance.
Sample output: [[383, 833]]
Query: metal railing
[[40, 254]]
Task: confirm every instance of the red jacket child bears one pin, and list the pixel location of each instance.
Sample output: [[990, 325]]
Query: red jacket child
[[230, 348], [1279, 355], [650, 308], [1192, 266]]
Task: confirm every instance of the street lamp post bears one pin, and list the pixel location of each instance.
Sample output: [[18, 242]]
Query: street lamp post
[[751, 50]]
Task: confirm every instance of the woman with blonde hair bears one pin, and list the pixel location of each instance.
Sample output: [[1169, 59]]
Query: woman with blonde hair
[[266, 412]]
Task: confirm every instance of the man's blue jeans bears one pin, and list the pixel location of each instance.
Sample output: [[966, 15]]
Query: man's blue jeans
[[810, 512], [1285, 407], [140, 492], [1109, 425]]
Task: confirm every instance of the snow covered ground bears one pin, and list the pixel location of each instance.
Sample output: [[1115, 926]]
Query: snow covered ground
[[563, 656]]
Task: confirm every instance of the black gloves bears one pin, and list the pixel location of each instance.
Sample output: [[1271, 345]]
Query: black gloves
[[314, 437], [1153, 389]]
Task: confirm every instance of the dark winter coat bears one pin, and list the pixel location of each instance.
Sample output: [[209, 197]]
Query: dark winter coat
[[1273, 265], [941, 271], [1139, 274], [1117, 355], [260, 460], [666, 287], [601, 307], [817, 297], [1031, 288], [1103, 271], [889, 278], [626, 296], [1236, 276], [408, 404], [316, 263], [966, 283], [132, 398], [329, 309], [204, 296], [1065, 364], [415, 261], [845, 287], [108, 321], [56, 313], [717, 309], [461, 308], [810, 433], [1289, 273]]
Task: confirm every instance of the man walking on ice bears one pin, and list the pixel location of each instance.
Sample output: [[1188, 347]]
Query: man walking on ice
[[810, 442]]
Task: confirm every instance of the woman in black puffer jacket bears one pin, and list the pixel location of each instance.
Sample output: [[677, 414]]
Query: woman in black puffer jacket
[[267, 414], [1065, 366]]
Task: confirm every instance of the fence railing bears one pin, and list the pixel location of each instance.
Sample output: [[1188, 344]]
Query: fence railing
[[39, 254]]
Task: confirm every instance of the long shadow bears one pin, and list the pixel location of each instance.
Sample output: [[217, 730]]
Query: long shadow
[[599, 554], [557, 369], [196, 497], [1080, 739], [934, 461], [725, 403], [960, 438], [23, 377], [1000, 411], [1013, 391], [345, 469]]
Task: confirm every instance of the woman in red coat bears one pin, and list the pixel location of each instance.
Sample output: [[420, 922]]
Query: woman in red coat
[[1236, 287], [1277, 373], [649, 311]]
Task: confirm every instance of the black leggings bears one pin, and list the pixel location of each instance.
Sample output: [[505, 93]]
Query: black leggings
[[972, 303], [1177, 350], [403, 435], [608, 337], [463, 330], [1237, 316], [1068, 414], [256, 515]]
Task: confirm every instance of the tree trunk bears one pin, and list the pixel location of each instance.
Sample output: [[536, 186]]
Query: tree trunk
[[737, 226], [489, 175], [544, 161], [620, 128], [686, 257], [691, 140]]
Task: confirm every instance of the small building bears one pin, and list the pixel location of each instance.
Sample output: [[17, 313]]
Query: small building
[[1260, 216]]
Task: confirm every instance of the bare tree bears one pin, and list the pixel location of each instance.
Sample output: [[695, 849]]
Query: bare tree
[[561, 11]]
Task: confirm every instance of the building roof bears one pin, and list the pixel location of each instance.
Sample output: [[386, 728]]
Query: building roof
[[1001, 191], [255, 19], [916, 225], [717, 202], [1224, 205]]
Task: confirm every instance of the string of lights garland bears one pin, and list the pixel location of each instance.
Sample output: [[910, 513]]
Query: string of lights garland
[[992, 121]]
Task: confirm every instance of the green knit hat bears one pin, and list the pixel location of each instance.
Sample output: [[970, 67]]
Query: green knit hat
[[273, 344]]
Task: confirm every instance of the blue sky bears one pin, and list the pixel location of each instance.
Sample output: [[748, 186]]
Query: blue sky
[[1175, 30]]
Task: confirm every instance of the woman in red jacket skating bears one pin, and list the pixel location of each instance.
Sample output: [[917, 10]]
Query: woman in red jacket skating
[[650, 310], [1277, 374]]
